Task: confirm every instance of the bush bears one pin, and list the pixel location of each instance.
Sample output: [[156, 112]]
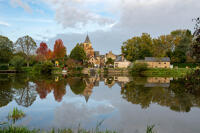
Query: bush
[[3, 67], [17, 62], [47, 67], [138, 68], [37, 68]]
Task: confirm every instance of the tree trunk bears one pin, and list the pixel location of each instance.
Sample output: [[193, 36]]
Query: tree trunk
[[27, 62]]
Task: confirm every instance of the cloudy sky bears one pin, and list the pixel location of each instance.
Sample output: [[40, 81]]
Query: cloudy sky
[[108, 22]]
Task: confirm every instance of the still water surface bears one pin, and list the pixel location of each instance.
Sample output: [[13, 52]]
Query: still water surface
[[125, 104]]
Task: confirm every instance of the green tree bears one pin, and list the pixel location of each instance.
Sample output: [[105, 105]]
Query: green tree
[[162, 45], [26, 44], [78, 53], [110, 61], [137, 47], [182, 41], [195, 49], [6, 49], [17, 62]]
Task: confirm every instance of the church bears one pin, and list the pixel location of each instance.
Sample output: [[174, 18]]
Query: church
[[87, 46]]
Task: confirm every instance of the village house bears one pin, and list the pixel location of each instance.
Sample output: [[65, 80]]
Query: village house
[[156, 62], [110, 55], [121, 62]]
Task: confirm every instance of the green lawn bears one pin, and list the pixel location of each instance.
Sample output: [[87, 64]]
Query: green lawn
[[163, 72]]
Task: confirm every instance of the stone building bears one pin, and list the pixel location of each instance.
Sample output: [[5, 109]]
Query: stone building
[[156, 62], [121, 62], [87, 46], [110, 55]]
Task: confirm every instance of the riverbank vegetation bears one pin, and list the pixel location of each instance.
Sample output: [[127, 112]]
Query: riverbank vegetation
[[163, 72], [24, 56]]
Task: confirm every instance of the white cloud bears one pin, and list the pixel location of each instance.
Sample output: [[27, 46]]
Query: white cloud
[[22, 4], [4, 23], [77, 13]]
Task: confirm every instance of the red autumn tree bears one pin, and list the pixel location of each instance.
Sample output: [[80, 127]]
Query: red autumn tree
[[49, 55], [59, 51], [43, 52]]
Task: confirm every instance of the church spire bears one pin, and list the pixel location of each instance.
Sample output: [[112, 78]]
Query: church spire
[[87, 40]]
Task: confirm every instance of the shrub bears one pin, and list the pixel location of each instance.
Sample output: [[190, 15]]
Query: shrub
[[138, 68], [3, 67], [17, 62], [47, 67], [37, 68]]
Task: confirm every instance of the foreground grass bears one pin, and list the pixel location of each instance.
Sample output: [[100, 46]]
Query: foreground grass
[[150, 129], [159, 72], [12, 129]]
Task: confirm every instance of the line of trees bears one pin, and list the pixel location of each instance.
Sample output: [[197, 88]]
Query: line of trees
[[25, 51], [180, 45]]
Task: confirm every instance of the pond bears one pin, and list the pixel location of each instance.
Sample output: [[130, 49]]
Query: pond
[[125, 104]]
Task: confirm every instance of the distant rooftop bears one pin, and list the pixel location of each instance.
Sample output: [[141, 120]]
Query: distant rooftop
[[157, 59], [87, 40]]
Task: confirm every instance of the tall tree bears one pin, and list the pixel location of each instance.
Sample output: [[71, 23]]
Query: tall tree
[[43, 52], [26, 44], [137, 47], [6, 49], [182, 41], [195, 47], [78, 53], [59, 50], [162, 45]]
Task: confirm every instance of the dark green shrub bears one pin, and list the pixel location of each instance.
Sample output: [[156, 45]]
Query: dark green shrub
[[3, 67], [138, 68], [37, 68], [47, 67], [17, 62]]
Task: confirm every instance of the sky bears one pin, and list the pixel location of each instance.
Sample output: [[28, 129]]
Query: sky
[[108, 23]]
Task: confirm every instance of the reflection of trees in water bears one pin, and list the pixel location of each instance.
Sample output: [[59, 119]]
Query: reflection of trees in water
[[26, 96], [76, 84], [45, 86], [180, 96], [16, 87], [6, 93]]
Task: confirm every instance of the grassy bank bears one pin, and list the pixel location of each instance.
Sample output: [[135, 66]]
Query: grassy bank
[[159, 72], [13, 129]]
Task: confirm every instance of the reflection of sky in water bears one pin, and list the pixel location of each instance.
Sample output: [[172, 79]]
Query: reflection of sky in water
[[104, 104]]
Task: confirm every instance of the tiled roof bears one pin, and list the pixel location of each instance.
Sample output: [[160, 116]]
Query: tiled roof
[[157, 59], [118, 59]]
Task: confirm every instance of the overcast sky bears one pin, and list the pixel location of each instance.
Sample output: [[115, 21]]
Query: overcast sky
[[108, 22]]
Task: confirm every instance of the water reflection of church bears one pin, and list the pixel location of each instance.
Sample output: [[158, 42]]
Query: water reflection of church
[[110, 81]]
